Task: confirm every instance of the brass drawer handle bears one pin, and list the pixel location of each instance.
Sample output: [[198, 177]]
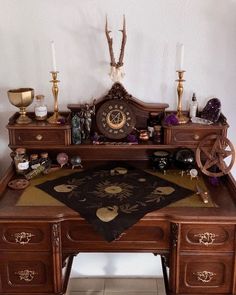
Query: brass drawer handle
[[196, 137], [204, 276], [23, 238], [206, 238], [26, 275], [39, 137]]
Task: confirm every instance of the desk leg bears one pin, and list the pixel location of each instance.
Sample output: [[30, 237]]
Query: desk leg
[[67, 272], [165, 275]]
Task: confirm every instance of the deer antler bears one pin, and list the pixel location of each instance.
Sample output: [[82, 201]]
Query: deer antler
[[110, 44], [122, 49]]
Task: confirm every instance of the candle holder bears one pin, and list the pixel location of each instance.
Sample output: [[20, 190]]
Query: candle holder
[[56, 116], [180, 89]]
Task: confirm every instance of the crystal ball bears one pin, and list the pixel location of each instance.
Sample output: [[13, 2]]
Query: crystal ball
[[62, 159], [184, 159]]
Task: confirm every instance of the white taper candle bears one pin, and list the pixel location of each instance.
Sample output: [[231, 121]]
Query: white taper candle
[[180, 57], [54, 64]]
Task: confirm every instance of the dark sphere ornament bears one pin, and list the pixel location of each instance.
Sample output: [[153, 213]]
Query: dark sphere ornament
[[76, 162], [184, 159]]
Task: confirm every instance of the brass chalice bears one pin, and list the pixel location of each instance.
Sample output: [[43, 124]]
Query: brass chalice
[[21, 98]]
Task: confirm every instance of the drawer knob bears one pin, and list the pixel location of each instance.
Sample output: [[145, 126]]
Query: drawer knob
[[204, 276], [39, 137], [206, 238], [23, 238], [196, 137], [26, 275]]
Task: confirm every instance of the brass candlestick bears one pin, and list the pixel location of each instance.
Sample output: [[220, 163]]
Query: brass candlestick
[[56, 116], [180, 89]]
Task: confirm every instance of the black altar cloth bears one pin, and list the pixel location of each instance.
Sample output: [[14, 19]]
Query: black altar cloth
[[114, 197]]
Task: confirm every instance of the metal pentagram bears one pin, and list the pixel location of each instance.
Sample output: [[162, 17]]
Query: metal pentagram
[[215, 159]]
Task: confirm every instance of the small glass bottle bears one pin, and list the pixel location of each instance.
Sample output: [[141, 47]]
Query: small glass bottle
[[193, 107], [157, 134], [40, 108], [34, 161], [151, 122], [45, 161], [21, 161]]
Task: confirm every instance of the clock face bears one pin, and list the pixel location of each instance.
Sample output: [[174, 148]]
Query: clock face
[[115, 119]]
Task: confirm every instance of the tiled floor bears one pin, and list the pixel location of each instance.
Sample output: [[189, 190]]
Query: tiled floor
[[94, 286]]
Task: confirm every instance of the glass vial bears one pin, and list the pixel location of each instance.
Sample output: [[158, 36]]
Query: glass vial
[[157, 135], [21, 161], [151, 122], [40, 108], [45, 161], [34, 161], [193, 107]]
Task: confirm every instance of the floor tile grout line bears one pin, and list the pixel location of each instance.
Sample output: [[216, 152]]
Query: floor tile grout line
[[104, 291], [157, 287]]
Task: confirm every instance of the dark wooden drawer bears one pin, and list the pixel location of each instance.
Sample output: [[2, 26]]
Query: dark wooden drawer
[[83, 237], [24, 236], [204, 274], [39, 133], [191, 134], [40, 137], [207, 237], [23, 273]]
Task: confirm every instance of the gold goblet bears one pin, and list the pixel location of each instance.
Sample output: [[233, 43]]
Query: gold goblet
[[21, 98]]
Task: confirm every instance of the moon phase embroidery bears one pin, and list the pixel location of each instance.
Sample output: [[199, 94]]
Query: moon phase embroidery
[[107, 214]]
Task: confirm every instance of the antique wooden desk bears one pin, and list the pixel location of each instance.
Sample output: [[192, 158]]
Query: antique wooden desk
[[38, 243]]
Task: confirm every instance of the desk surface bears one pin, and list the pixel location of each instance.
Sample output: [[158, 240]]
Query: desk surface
[[197, 243], [222, 196]]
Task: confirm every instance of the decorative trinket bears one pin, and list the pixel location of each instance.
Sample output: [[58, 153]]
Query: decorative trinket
[[161, 160], [62, 159], [203, 194], [193, 173], [171, 120], [76, 129], [202, 121], [143, 135], [76, 162], [184, 159], [116, 72], [18, 184]]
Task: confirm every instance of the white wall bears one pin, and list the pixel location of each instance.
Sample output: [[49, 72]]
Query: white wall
[[206, 27]]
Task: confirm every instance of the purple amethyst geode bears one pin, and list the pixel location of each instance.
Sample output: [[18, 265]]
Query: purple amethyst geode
[[171, 120], [212, 110]]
